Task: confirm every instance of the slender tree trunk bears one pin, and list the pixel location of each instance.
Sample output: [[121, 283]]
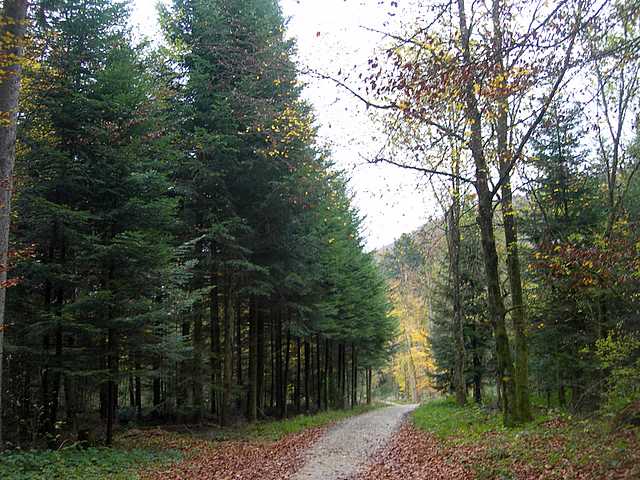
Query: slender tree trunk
[[228, 356], [198, 350], [327, 346], [157, 391], [252, 407], [12, 30], [57, 381], [261, 390], [354, 375], [298, 374], [111, 388], [460, 384], [339, 377], [495, 300], [285, 383], [318, 373], [307, 375], [343, 380], [132, 395], [214, 327], [369, 378], [522, 408], [138, 392], [272, 390], [278, 360], [239, 351], [477, 376]]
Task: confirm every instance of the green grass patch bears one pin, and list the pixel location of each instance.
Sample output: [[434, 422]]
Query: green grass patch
[[553, 446], [275, 430], [78, 464], [446, 420]]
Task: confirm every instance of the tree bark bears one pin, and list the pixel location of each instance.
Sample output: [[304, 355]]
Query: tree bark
[[285, 382], [111, 388], [228, 356], [522, 407], [252, 408], [495, 300], [12, 33], [214, 327], [307, 375], [260, 388], [318, 374], [354, 376], [460, 384], [327, 347], [239, 351], [477, 377], [278, 360], [138, 392], [298, 374], [198, 350]]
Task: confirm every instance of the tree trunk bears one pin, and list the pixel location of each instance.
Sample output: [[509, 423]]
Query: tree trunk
[[278, 377], [343, 380], [327, 360], [57, 381], [260, 389], [239, 351], [12, 33], [307, 375], [285, 383], [198, 350], [228, 356], [495, 301], [477, 376], [318, 374], [453, 244], [369, 375], [354, 375], [298, 374], [138, 393], [214, 327], [111, 385], [252, 408], [522, 408], [272, 350]]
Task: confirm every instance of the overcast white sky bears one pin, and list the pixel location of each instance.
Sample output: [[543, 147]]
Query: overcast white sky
[[386, 195]]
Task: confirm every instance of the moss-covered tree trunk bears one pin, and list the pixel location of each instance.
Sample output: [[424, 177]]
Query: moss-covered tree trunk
[[495, 300], [12, 30], [523, 407]]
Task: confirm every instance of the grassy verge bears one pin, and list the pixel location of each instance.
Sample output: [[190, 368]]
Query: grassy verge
[[554, 446], [275, 430], [78, 464]]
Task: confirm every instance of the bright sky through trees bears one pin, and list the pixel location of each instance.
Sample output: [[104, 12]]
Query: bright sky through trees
[[386, 195]]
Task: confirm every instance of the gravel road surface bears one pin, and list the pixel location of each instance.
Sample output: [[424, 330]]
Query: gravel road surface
[[347, 446]]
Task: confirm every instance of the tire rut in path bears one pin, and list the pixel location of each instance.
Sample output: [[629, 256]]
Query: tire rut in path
[[347, 446]]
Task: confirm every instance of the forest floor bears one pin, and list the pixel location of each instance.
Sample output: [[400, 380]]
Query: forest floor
[[437, 441], [446, 442]]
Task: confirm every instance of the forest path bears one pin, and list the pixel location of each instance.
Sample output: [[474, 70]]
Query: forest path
[[347, 446]]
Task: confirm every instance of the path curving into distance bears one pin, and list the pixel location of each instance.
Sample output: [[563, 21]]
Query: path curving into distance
[[347, 446]]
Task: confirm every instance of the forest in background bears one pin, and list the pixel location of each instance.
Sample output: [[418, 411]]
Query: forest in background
[[182, 248], [523, 290]]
